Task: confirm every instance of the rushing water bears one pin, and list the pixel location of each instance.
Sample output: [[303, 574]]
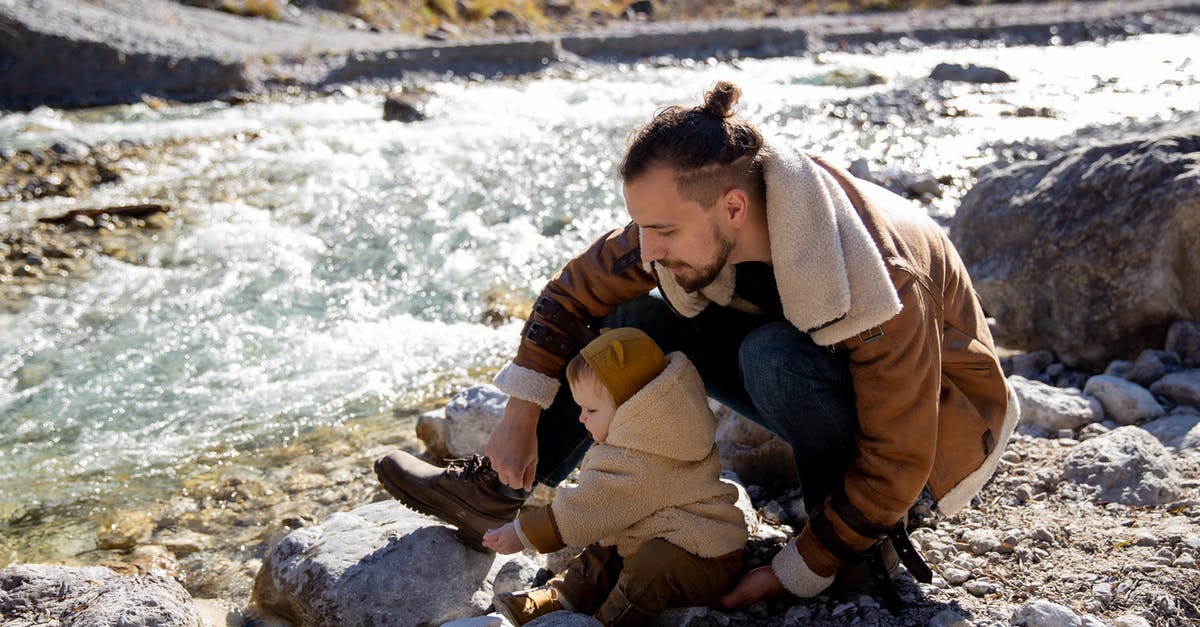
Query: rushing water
[[334, 266]]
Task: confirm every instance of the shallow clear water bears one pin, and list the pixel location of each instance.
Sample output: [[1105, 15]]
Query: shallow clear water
[[335, 266]]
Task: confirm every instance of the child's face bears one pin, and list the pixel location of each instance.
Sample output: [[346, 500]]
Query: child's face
[[596, 407]]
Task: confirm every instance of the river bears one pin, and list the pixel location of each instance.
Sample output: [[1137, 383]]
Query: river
[[333, 268]]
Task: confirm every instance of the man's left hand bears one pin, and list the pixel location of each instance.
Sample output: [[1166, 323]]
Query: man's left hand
[[757, 585]]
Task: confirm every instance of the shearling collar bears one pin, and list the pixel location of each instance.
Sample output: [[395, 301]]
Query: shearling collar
[[831, 277]]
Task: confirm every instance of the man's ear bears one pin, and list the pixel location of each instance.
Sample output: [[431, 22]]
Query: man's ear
[[736, 205]]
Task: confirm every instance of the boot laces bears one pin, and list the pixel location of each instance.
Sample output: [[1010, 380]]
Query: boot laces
[[473, 468]]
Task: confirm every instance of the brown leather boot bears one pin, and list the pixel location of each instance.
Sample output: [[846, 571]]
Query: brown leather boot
[[521, 607], [467, 493]]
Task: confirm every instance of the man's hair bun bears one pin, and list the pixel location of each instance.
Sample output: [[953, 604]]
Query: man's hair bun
[[719, 101]]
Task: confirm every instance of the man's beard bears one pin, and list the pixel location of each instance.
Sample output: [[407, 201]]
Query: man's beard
[[705, 275]]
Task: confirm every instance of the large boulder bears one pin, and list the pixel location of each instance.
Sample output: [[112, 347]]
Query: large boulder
[[42, 595], [1092, 251], [1126, 465], [380, 565]]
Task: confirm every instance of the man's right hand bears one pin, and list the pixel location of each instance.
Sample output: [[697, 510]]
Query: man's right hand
[[512, 447]]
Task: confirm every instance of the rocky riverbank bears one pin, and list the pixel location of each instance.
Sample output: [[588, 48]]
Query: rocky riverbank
[[76, 53]]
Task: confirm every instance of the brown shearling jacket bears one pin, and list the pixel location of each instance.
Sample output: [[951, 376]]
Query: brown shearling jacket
[[934, 408]]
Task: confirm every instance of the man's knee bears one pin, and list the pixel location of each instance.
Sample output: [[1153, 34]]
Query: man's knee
[[778, 353]]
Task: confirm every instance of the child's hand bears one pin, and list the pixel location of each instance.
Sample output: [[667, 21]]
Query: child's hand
[[503, 540]]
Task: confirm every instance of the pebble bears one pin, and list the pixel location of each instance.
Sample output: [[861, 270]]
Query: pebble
[[1144, 538], [956, 576], [948, 618], [1042, 613], [980, 587], [981, 541]]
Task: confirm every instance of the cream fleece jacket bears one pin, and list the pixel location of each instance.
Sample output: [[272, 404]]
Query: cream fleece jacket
[[656, 476]]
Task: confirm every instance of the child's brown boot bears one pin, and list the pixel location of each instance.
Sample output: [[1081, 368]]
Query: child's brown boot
[[521, 607]]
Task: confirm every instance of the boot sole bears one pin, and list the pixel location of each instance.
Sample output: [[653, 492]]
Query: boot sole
[[467, 536]]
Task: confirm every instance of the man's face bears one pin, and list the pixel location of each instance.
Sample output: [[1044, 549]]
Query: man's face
[[677, 233]]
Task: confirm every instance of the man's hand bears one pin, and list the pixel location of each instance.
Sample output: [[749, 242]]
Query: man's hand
[[757, 585], [512, 447], [503, 540]]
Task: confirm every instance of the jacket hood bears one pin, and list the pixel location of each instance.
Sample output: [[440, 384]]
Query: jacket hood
[[669, 416]]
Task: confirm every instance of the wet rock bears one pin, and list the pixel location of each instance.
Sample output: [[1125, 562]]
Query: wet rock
[[1181, 388], [33, 594], [1048, 409], [402, 108], [1125, 402], [1126, 466], [1085, 250], [851, 77], [969, 74], [125, 530], [411, 566]]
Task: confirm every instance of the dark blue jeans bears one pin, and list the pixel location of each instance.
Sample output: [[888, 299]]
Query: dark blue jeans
[[764, 369]]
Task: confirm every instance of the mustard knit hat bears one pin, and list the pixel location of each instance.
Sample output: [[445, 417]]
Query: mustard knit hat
[[624, 360]]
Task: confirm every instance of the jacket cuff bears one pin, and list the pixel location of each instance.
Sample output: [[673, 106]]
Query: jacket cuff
[[526, 384], [522, 537], [795, 575], [539, 528]]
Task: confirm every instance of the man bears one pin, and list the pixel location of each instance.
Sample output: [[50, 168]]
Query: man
[[825, 308]]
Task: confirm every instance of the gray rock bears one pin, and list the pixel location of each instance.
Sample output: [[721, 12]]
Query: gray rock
[[1181, 388], [490, 620], [1152, 365], [1184, 338], [1125, 402], [1118, 368], [1126, 466], [563, 618], [412, 568], [756, 455], [1032, 364], [1088, 250], [981, 541], [1131, 620], [970, 73], [1048, 409], [948, 618], [463, 428], [33, 594], [1178, 431], [1042, 613]]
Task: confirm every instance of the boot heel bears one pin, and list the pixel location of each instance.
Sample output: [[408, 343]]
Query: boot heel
[[469, 538]]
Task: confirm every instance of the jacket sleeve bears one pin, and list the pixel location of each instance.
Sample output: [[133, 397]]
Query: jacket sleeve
[[897, 383], [590, 285]]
